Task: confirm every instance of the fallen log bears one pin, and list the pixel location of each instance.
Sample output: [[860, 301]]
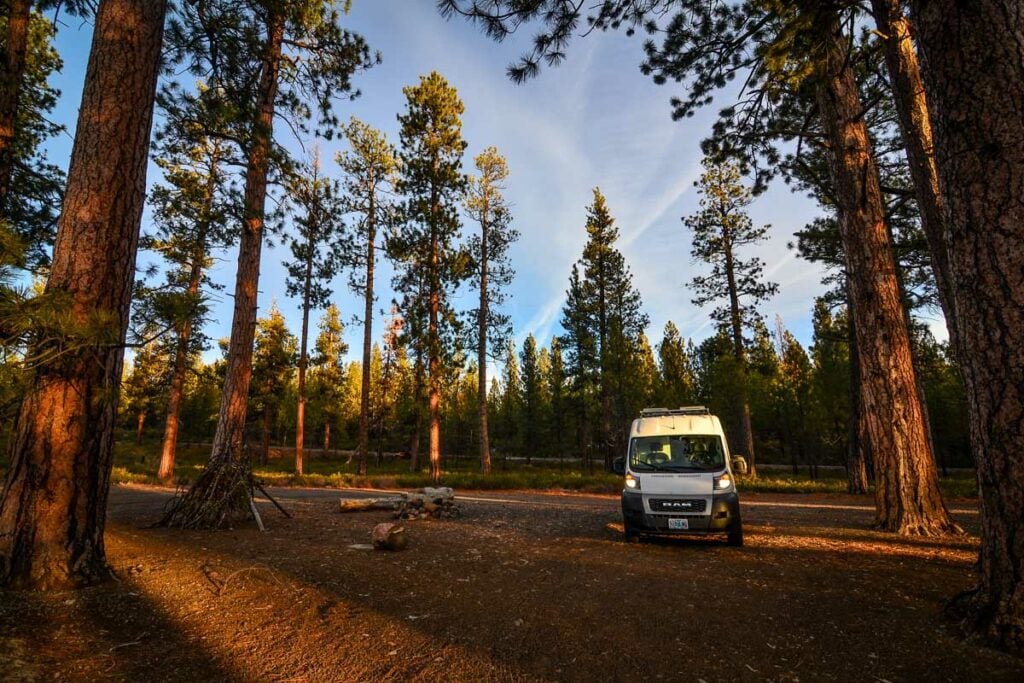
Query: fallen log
[[360, 504], [427, 502]]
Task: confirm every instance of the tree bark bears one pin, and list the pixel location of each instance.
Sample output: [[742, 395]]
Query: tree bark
[[481, 352], [181, 351], [327, 438], [907, 496], [364, 392], [414, 449], [739, 352], [229, 437], [300, 423], [54, 500], [12, 73], [140, 423], [973, 68], [916, 128]]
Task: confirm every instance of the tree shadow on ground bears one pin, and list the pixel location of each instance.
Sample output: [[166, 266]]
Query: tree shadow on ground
[[100, 632], [509, 594]]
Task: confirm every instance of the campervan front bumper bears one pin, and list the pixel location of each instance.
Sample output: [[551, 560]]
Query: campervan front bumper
[[724, 513]]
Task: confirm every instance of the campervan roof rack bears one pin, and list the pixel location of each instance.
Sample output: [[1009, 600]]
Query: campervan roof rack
[[684, 410]]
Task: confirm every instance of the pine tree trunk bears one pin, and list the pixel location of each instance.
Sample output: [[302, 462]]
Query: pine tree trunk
[[300, 422], [740, 354], [364, 397], [140, 422], [973, 67], [907, 494], [181, 351], [230, 434], [915, 125], [177, 391], [327, 437], [434, 347], [54, 500], [12, 72], [227, 441], [481, 353], [857, 440], [414, 448]]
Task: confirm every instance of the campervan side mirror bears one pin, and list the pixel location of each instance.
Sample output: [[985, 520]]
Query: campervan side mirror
[[619, 466], [739, 464]]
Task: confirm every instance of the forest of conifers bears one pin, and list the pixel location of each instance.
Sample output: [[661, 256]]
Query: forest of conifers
[[901, 119]]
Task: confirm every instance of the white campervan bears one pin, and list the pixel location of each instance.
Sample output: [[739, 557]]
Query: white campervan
[[679, 476]]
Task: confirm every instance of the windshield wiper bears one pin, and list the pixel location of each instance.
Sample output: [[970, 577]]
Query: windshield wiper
[[696, 468], [657, 468]]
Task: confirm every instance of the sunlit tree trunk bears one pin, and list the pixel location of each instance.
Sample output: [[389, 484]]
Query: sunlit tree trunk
[[54, 500], [915, 125], [481, 350], [740, 354], [973, 68], [228, 439], [434, 358], [364, 392], [12, 72], [414, 447], [184, 341], [907, 496], [300, 424], [177, 389]]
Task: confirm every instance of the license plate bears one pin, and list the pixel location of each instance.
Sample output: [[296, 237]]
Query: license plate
[[676, 524]]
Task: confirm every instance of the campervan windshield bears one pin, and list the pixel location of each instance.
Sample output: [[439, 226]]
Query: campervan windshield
[[676, 453]]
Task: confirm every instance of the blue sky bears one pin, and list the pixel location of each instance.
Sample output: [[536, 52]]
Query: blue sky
[[593, 121]]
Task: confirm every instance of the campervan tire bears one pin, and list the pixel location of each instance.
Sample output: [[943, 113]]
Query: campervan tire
[[735, 537]]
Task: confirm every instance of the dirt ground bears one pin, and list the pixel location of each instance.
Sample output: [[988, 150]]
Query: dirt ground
[[522, 587]]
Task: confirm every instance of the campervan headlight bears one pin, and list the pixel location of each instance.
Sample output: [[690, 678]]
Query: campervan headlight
[[632, 482], [723, 482]]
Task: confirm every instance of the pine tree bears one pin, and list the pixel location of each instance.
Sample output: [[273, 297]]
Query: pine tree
[[532, 398], [146, 383], [328, 369], [510, 411], [369, 168], [831, 357], [793, 387], [720, 228], [972, 72], [581, 366], [491, 273], [557, 390], [263, 60], [51, 529], [192, 210], [427, 246], [316, 256], [274, 358], [31, 188], [678, 384], [602, 317]]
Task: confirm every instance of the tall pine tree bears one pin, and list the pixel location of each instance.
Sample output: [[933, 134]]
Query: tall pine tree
[[492, 271], [720, 228], [427, 244]]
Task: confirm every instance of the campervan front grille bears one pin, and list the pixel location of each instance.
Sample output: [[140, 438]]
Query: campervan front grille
[[678, 505]]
